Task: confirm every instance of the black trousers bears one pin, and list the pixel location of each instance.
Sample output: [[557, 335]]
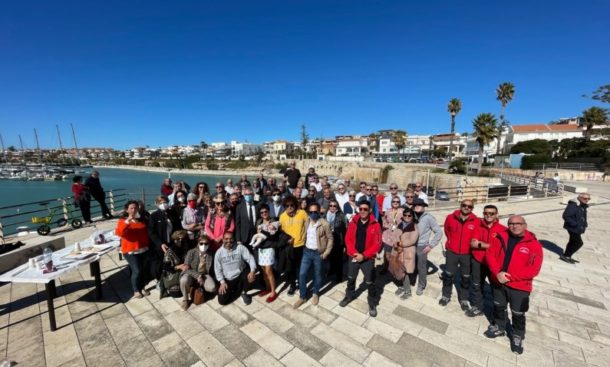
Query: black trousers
[[235, 287], [574, 244], [85, 209], [295, 265], [105, 211], [479, 273], [453, 263], [519, 304], [368, 270], [336, 260]]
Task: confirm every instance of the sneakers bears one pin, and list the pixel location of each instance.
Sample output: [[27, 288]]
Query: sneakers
[[567, 259], [419, 291], [314, 299], [406, 295], [298, 303], [444, 301], [474, 312], [493, 331], [291, 290], [464, 305], [145, 292], [184, 305], [399, 291], [345, 301], [516, 344], [246, 298], [372, 311]]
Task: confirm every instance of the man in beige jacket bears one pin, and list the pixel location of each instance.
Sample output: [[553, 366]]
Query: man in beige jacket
[[318, 245]]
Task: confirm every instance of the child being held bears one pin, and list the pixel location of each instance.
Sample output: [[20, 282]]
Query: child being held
[[264, 231]]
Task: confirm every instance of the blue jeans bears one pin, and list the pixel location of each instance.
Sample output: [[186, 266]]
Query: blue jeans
[[136, 264], [310, 257]]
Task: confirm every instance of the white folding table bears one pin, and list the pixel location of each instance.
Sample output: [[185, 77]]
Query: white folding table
[[65, 263]]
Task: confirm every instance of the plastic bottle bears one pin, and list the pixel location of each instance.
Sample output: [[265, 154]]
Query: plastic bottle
[[47, 254]]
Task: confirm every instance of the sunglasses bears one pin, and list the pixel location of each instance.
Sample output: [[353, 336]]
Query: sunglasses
[[202, 243], [219, 204], [395, 202], [393, 188], [489, 213], [363, 209], [407, 215], [467, 206], [409, 197], [332, 206], [264, 211]]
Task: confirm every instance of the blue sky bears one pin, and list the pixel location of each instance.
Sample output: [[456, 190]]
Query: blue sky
[[156, 73]]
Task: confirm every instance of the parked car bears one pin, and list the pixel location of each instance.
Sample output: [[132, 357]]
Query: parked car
[[442, 195]]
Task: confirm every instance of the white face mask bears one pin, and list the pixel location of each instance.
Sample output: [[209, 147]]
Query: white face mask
[[276, 198], [181, 199], [162, 206], [204, 248]]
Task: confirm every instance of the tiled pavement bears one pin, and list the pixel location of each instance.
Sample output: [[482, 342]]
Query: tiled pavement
[[568, 322]]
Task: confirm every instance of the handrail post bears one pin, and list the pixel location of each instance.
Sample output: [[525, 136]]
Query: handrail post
[[1, 232], [111, 198], [64, 206], [508, 194]]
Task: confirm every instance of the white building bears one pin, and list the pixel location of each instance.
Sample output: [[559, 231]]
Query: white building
[[519, 133], [351, 146], [472, 148], [417, 145], [245, 149]]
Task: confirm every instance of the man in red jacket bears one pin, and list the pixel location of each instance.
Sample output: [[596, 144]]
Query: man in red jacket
[[362, 242], [514, 258], [487, 228], [459, 230]]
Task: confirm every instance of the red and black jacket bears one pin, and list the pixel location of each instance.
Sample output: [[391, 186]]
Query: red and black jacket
[[459, 233], [484, 233], [525, 262], [373, 237]]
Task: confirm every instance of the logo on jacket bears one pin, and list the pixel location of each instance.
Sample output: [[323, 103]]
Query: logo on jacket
[[524, 250]]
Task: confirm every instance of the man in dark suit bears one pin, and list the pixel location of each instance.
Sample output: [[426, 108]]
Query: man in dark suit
[[245, 218], [275, 204]]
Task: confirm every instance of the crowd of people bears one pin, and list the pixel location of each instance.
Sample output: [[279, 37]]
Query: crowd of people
[[268, 232]]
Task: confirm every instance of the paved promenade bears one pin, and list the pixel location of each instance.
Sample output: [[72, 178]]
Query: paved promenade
[[568, 323]]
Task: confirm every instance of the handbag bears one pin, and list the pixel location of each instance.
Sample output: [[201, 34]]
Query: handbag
[[197, 295], [395, 266]]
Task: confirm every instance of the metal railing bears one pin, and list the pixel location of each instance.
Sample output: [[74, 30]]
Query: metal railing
[[15, 217], [520, 189]]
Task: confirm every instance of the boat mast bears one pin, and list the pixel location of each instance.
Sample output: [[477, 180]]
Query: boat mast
[[38, 145], [3, 151], [75, 145], [61, 147], [23, 156]]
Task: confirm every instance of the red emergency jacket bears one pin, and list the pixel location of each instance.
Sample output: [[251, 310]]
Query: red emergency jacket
[[525, 262], [459, 234], [484, 233], [373, 237]]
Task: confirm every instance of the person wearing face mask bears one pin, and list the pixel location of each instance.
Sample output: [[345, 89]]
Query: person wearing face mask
[[405, 250], [275, 204], [161, 225], [336, 220], [430, 235], [218, 222], [192, 216], [197, 268], [318, 245], [245, 219], [134, 245], [178, 207]]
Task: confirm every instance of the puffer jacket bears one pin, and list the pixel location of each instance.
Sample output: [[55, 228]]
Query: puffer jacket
[[485, 233], [575, 217]]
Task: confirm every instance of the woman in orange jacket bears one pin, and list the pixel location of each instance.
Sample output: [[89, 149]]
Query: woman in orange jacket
[[134, 244]]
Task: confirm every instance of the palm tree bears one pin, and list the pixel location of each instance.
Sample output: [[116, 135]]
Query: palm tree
[[485, 131], [504, 93], [454, 107], [400, 140], [593, 116]]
